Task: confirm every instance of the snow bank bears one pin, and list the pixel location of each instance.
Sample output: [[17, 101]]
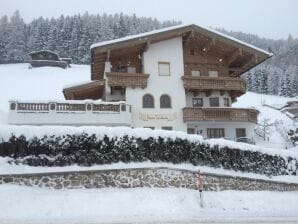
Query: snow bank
[[36, 205]]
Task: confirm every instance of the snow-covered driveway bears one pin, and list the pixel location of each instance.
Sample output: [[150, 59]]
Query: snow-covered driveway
[[37, 205]]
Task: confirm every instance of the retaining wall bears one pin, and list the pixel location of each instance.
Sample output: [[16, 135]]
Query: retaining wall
[[144, 177]]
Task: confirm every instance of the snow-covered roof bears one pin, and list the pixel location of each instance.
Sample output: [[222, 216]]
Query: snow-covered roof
[[178, 27]]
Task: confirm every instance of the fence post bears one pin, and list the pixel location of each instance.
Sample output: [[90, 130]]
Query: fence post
[[200, 188]]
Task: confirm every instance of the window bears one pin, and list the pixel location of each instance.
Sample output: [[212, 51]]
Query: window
[[169, 128], [164, 68], [165, 101], [195, 73], [190, 130], [150, 127], [215, 132], [148, 101], [197, 102], [131, 70], [226, 102], [214, 102], [192, 52], [240, 132], [213, 73]]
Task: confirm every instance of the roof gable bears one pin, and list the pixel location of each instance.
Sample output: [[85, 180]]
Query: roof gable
[[175, 31]]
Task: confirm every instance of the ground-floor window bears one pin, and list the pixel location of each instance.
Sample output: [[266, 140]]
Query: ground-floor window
[[215, 132], [169, 128], [150, 127], [240, 132], [190, 130]]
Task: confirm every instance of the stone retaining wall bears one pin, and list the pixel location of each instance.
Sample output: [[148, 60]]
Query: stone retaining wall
[[144, 177]]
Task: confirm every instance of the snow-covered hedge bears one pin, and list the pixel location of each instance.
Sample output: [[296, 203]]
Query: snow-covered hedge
[[56, 146]]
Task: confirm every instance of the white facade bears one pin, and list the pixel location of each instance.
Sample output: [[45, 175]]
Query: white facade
[[166, 51]]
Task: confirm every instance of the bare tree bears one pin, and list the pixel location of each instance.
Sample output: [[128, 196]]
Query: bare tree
[[264, 128]]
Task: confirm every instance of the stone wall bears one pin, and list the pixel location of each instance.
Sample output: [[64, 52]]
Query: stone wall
[[143, 177]]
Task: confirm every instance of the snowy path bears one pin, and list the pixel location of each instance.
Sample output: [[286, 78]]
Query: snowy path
[[37, 205]]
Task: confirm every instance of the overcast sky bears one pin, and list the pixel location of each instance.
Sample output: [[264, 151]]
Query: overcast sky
[[267, 18]]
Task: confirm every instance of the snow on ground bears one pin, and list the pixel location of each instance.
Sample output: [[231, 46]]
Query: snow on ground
[[277, 138], [17, 81], [37, 205]]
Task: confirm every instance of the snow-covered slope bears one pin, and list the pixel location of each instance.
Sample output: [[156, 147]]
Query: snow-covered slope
[[19, 82], [282, 123]]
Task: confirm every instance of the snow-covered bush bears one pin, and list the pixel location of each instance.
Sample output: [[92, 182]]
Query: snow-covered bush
[[87, 149]]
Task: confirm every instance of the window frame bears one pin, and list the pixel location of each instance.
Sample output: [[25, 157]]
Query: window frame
[[143, 102], [164, 63], [197, 98], [191, 131], [211, 73], [240, 129], [215, 132], [212, 98], [227, 102], [198, 73], [170, 101]]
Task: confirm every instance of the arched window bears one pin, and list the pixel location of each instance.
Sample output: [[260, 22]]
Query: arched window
[[165, 101], [148, 101]]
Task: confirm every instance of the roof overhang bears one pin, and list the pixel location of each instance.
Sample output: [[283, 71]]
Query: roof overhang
[[175, 31], [91, 90]]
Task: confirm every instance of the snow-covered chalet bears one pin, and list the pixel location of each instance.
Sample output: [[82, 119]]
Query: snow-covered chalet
[[182, 78]]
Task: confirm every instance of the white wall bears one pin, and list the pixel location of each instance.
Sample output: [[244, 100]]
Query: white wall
[[74, 118], [166, 51]]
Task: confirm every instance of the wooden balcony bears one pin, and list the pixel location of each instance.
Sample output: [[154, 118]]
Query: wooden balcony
[[127, 79], [191, 114], [205, 83]]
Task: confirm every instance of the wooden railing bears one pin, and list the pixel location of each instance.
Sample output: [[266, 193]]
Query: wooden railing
[[66, 107], [214, 83], [127, 79], [219, 114]]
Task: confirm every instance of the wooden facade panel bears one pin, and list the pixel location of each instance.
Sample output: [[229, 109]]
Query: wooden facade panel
[[116, 79], [219, 114], [219, 83]]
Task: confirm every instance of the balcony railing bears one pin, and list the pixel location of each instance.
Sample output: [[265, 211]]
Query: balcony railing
[[214, 83], [127, 79], [70, 113], [191, 114]]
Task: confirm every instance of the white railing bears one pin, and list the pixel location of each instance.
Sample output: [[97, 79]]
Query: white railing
[[70, 113]]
